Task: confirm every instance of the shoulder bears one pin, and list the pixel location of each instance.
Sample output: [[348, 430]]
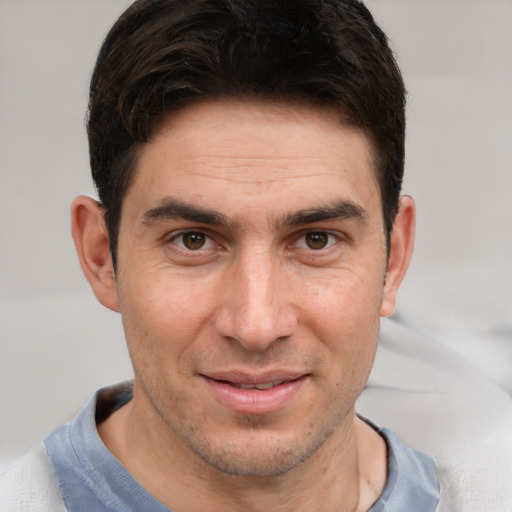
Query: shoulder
[[440, 405], [30, 485]]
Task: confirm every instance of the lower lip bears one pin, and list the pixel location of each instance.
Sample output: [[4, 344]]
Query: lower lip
[[253, 401]]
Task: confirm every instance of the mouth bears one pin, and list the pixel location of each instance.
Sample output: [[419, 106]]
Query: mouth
[[255, 395], [258, 386]]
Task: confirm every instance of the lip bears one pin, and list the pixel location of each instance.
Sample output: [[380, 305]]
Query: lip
[[226, 391]]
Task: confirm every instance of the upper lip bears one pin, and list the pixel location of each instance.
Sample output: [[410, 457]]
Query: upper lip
[[254, 378]]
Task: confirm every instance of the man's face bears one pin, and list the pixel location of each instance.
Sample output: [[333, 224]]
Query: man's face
[[251, 267]]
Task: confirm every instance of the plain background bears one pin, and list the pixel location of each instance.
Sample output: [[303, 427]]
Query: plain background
[[57, 345]]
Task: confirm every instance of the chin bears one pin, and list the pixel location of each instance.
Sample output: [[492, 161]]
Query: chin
[[258, 456], [260, 462]]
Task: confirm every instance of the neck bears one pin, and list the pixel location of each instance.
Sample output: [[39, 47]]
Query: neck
[[346, 474]]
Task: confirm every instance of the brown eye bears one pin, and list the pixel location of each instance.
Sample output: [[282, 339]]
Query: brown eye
[[317, 240], [194, 240]]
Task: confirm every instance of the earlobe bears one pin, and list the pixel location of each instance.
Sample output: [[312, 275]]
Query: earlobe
[[401, 249], [91, 242]]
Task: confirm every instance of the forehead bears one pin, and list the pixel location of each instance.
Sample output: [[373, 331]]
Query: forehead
[[228, 152]]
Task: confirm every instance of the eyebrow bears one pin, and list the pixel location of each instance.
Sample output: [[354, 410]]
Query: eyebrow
[[170, 209], [343, 210]]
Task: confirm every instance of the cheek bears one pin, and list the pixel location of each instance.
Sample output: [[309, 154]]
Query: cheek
[[163, 316], [342, 298], [344, 315]]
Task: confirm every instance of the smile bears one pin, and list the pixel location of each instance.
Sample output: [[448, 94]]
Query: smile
[[263, 386], [255, 396]]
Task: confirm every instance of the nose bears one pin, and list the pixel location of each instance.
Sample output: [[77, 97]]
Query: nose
[[256, 307]]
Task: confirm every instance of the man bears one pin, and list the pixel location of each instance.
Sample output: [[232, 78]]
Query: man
[[248, 157]]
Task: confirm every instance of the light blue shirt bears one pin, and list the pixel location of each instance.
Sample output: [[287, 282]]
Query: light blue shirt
[[91, 479]]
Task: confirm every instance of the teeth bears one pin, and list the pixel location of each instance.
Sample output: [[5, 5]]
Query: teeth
[[262, 386], [267, 385]]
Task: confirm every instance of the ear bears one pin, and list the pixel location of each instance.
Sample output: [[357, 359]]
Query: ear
[[401, 248], [91, 242]]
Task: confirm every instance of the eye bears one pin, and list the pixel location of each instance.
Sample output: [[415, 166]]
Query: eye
[[192, 241], [316, 240]]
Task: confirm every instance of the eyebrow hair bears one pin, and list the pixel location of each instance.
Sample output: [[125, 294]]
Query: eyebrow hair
[[170, 208], [343, 209]]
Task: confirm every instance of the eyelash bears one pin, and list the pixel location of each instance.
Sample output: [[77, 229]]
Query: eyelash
[[332, 239], [297, 246], [175, 237]]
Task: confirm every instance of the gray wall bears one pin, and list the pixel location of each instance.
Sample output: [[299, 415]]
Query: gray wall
[[57, 345]]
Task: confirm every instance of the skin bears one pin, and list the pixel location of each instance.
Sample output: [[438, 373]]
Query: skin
[[225, 274]]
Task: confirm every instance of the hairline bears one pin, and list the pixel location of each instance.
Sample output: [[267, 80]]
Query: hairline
[[133, 154]]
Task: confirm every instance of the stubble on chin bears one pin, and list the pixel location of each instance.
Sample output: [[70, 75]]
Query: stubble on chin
[[261, 453]]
